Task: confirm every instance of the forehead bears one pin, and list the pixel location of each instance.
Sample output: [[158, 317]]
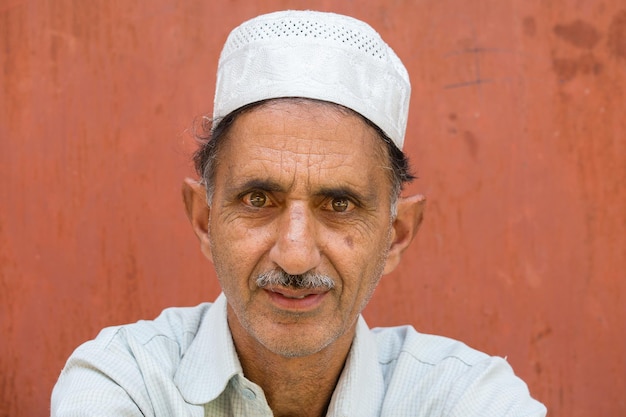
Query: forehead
[[303, 141]]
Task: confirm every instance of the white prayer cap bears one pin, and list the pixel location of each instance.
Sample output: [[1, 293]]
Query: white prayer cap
[[317, 55]]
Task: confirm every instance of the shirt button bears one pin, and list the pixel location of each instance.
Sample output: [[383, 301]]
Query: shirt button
[[248, 393]]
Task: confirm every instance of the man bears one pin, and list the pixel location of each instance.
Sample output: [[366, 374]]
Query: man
[[299, 210]]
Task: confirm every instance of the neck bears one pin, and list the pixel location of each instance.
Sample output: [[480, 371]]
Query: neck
[[293, 386]]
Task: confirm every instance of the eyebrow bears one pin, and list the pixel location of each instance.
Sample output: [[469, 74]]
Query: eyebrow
[[255, 184], [328, 192], [340, 192]]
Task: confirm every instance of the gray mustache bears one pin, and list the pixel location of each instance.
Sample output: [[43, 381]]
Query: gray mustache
[[308, 280]]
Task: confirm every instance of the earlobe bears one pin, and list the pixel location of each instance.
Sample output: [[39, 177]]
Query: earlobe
[[405, 226], [197, 209]]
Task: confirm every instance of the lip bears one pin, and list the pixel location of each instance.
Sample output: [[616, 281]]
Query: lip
[[296, 300]]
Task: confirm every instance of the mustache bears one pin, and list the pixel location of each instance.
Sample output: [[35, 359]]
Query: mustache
[[308, 280]]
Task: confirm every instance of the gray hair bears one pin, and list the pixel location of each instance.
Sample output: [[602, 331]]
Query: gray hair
[[308, 280]]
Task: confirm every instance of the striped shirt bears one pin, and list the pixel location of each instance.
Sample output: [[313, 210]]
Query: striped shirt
[[184, 363]]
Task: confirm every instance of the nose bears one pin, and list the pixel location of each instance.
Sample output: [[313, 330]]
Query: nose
[[295, 248]]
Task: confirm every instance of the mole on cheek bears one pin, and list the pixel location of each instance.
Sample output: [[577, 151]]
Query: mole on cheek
[[349, 242]]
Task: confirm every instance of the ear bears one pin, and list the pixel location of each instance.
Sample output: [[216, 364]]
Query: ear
[[405, 226], [197, 208]]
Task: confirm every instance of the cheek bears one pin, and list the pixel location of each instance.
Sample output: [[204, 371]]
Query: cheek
[[238, 248], [358, 257]]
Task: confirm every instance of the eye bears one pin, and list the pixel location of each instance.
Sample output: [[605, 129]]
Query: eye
[[256, 199], [340, 204]]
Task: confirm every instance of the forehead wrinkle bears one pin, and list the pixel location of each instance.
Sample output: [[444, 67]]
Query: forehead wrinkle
[[317, 163], [318, 177], [309, 159], [307, 155]]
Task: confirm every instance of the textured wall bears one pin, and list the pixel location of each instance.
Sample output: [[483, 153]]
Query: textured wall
[[516, 131]]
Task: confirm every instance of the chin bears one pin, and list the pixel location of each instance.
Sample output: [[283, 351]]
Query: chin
[[295, 344], [296, 350]]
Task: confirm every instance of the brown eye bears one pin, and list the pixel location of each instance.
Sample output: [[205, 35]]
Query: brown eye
[[257, 199], [340, 204]]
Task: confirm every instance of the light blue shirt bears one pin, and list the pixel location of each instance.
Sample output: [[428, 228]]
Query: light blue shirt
[[184, 363]]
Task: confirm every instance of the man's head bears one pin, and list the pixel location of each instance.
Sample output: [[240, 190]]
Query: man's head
[[303, 169]]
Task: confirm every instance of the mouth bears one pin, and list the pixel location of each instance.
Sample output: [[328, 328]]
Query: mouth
[[300, 300], [296, 298]]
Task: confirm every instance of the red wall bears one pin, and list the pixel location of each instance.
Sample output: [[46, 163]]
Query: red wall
[[516, 131]]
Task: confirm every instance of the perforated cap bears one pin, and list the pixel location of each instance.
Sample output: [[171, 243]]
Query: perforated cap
[[317, 55]]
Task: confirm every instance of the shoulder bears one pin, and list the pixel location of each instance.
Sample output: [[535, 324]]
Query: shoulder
[[109, 372], [447, 377], [407, 355], [162, 341], [404, 342], [177, 325]]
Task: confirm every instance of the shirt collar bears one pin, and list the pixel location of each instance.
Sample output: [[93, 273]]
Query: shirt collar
[[211, 361], [360, 390]]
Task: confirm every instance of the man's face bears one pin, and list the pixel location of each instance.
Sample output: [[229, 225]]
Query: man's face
[[299, 187]]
